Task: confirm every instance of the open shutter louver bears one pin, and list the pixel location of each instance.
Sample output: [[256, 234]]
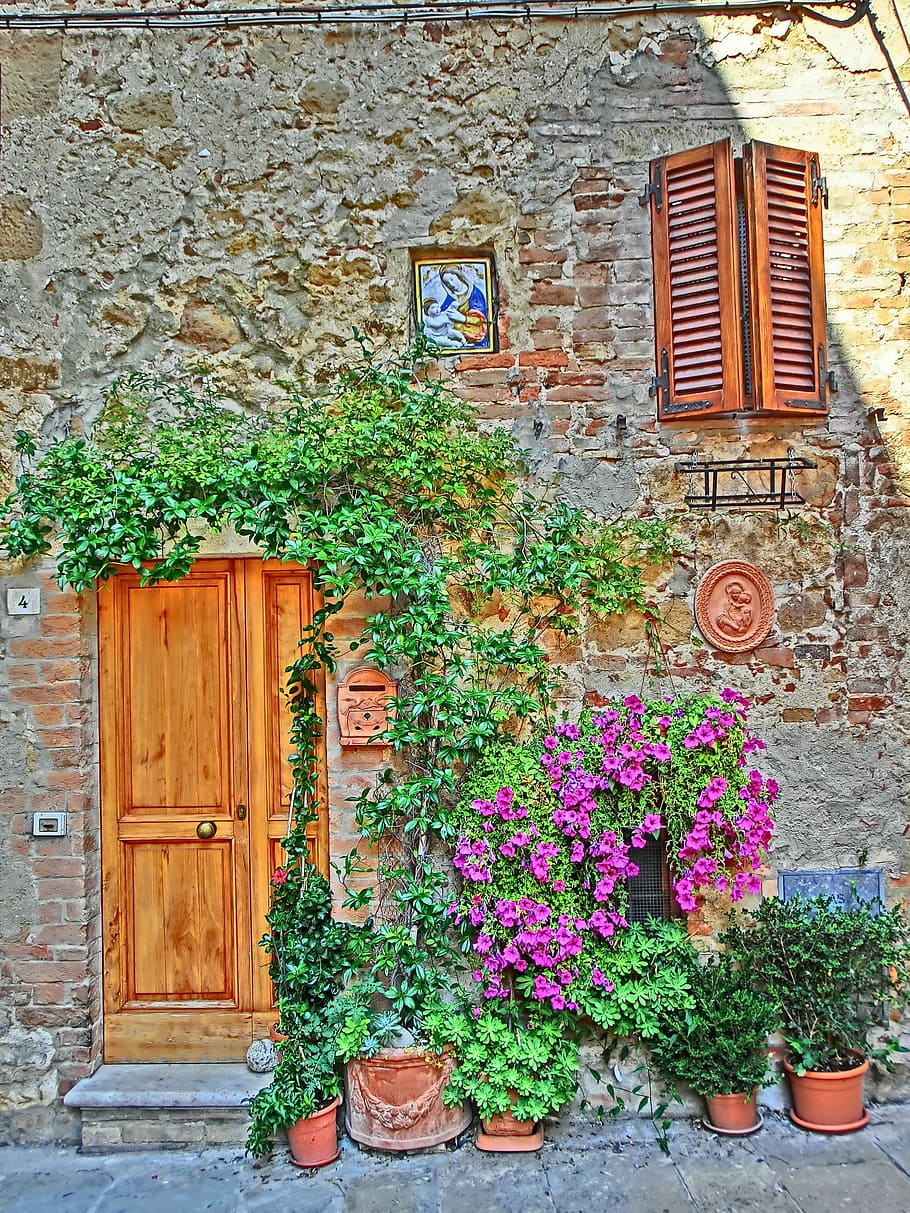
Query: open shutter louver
[[783, 195], [693, 211]]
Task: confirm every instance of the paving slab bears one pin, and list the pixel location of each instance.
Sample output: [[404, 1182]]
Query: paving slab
[[409, 1187], [495, 1186], [75, 1191], [850, 1186], [735, 1186], [617, 1184]]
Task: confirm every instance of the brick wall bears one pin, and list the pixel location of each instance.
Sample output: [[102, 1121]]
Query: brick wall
[[50, 993]]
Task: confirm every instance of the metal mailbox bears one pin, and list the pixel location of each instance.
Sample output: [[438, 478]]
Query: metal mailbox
[[363, 705]]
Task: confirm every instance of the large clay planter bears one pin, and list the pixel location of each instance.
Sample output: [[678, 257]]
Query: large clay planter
[[503, 1134], [733, 1114], [829, 1102], [314, 1141], [394, 1100]]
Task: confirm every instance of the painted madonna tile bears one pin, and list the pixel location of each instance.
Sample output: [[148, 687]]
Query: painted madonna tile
[[455, 304]]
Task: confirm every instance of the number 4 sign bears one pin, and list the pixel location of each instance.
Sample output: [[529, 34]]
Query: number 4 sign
[[23, 600]]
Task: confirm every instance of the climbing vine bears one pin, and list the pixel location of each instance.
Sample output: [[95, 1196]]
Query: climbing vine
[[387, 488]]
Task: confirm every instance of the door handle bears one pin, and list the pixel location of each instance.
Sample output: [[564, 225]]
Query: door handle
[[241, 812], [206, 830]]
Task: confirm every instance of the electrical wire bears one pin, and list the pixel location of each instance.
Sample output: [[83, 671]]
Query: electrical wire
[[900, 22], [391, 13], [839, 22], [886, 54]]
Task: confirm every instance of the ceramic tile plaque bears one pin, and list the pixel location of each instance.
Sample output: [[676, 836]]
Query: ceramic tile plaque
[[845, 886], [454, 303], [734, 606]]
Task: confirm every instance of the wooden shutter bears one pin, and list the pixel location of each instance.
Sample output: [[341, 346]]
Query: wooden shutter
[[783, 200], [696, 283]]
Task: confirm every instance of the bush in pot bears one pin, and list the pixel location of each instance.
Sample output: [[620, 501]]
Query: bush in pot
[[719, 1044], [831, 972], [303, 1095], [518, 1064], [311, 957]]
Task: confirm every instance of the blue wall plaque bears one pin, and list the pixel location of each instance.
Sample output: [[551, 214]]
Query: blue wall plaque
[[845, 886]]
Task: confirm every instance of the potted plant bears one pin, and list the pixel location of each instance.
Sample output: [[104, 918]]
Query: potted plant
[[832, 973], [718, 1045], [395, 1075], [303, 1096], [311, 957], [518, 1065]]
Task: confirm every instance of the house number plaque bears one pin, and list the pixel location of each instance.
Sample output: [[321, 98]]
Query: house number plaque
[[23, 600]]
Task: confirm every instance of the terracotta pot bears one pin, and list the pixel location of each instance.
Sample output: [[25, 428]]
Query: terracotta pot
[[502, 1133], [314, 1141], [829, 1102], [394, 1100], [504, 1124], [736, 1113], [277, 1037]]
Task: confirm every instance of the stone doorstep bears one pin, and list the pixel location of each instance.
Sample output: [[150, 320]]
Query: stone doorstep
[[164, 1106]]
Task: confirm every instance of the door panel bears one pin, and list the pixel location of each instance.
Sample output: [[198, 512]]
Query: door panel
[[181, 892], [178, 741], [281, 602], [193, 737]]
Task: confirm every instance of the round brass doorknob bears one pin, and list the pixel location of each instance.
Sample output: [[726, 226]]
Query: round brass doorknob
[[206, 829]]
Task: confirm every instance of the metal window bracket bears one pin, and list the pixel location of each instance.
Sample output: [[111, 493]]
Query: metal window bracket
[[771, 484]]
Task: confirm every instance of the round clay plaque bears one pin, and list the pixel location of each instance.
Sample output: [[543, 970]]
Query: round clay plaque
[[734, 606]]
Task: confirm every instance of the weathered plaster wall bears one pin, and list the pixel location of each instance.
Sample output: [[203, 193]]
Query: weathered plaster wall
[[248, 197]]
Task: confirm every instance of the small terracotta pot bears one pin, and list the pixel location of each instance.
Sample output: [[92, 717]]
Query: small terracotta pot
[[277, 1037], [504, 1124], [394, 1100], [829, 1102], [737, 1113], [502, 1133], [314, 1141]]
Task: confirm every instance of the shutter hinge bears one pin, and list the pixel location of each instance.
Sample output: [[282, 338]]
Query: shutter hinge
[[819, 184], [661, 383], [654, 189]]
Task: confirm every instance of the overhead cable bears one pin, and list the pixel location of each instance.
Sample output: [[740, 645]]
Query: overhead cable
[[397, 14]]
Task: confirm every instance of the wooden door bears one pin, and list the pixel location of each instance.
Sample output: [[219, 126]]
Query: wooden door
[[195, 799]]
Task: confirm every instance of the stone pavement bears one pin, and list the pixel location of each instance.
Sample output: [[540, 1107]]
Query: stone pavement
[[614, 1168]]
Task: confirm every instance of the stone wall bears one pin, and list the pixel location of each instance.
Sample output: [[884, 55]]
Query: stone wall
[[247, 197]]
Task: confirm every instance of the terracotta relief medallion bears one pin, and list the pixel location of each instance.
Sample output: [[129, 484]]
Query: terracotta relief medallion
[[734, 606]]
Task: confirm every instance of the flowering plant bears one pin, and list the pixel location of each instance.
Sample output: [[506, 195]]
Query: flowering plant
[[548, 834]]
